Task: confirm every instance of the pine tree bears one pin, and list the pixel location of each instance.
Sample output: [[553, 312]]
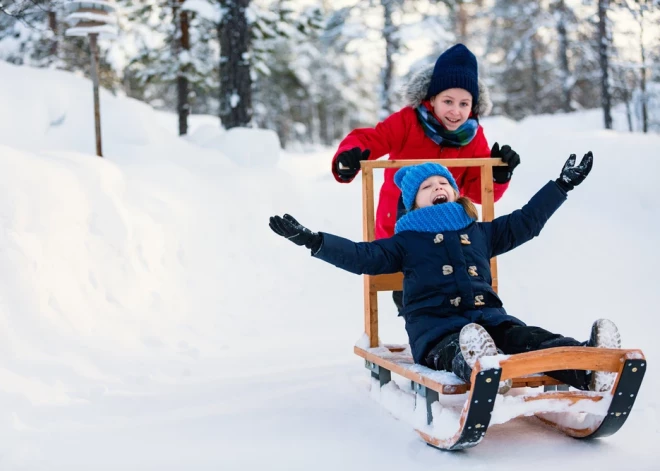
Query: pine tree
[[34, 34], [168, 71]]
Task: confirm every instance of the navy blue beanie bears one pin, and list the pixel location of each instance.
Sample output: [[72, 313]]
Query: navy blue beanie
[[455, 68], [408, 179]]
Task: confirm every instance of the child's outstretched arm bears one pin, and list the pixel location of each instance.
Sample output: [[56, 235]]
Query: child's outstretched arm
[[370, 258], [289, 228], [510, 231]]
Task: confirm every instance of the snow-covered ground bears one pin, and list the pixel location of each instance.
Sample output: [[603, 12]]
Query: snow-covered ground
[[150, 320]]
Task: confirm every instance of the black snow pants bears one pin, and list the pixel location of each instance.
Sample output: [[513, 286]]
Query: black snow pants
[[509, 339]]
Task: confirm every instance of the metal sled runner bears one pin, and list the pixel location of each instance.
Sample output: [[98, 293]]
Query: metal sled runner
[[525, 369]]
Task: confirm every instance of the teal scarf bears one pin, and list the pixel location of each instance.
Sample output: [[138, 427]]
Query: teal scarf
[[435, 131]]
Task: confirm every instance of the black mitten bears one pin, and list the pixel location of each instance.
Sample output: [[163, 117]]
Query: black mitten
[[347, 164], [509, 157], [291, 229], [571, 176]]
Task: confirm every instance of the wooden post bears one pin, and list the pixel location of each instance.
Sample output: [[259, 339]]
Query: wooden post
[[94, 53], [92, 18], [488, 211], [368, 233]]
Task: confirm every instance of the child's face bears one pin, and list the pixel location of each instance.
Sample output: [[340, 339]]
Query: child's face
[[434, 190], [453, 107]]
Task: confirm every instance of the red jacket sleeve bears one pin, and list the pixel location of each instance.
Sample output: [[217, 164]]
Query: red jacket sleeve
[[470, 184], [388, 135]]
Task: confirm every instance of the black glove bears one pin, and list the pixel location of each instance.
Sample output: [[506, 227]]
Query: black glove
[[291, 229], [571, 176], [347, 164], [509, 157]]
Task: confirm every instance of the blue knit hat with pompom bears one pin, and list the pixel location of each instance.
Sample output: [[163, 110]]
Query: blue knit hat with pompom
[[408, 179]]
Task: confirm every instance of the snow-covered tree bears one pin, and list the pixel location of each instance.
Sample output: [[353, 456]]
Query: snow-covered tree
[[640, 10], [520, 47], [175, 63], [32, 32]]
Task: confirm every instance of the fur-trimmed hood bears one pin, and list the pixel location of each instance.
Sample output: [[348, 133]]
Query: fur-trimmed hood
[[415, 92]]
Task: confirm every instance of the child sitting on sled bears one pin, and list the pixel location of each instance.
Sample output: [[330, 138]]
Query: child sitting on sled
[[452, 315]]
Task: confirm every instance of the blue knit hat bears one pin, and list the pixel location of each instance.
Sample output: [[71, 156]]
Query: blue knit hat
[[408, 179], [455, 68]]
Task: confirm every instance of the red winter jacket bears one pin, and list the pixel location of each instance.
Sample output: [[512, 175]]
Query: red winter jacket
[[402, 137]]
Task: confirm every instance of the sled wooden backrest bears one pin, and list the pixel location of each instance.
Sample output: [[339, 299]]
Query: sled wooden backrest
[[394, 282]]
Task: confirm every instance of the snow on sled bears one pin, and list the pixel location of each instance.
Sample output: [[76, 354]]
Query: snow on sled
[[431, 394]]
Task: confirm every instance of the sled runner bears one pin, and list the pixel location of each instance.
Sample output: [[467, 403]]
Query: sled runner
[[592, 414]]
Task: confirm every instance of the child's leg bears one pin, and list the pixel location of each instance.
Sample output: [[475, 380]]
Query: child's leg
[[447, 354], [441, 356], [512, 339], [475, 343]]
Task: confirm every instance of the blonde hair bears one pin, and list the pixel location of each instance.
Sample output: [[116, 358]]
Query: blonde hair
[[468, 206]]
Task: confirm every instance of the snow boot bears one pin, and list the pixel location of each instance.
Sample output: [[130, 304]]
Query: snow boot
[[475, 343], [604, 334]]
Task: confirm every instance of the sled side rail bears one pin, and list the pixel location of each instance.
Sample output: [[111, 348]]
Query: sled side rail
[[402, 365], [394, 282], [567, 358]]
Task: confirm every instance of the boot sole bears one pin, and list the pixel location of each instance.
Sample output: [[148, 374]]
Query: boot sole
[[604, 334], [475, 343]]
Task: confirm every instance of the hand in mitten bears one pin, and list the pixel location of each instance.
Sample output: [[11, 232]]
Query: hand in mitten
[[291, 229], [347, 164], [571, 176], [509, 157]]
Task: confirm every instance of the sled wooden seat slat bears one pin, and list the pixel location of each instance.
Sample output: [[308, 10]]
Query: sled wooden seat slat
[[391, 282]]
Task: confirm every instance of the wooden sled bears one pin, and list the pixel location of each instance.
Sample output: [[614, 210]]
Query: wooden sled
[[525, 369]]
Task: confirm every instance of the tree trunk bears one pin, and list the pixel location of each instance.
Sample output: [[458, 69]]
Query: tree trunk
[[625, 87], [462, 23], [628, 112], [536, 106], [94, 56], [235, 80], [183, 47], [645, 118], [315, 121], [565, 72], [391, 47], [52, 24], [329, 123], [603, 49]]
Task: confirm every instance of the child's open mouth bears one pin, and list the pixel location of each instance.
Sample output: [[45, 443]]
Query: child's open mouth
[[453, 121], [439, 199]]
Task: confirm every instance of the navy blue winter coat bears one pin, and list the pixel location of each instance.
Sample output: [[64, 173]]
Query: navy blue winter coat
[[447, 279]]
